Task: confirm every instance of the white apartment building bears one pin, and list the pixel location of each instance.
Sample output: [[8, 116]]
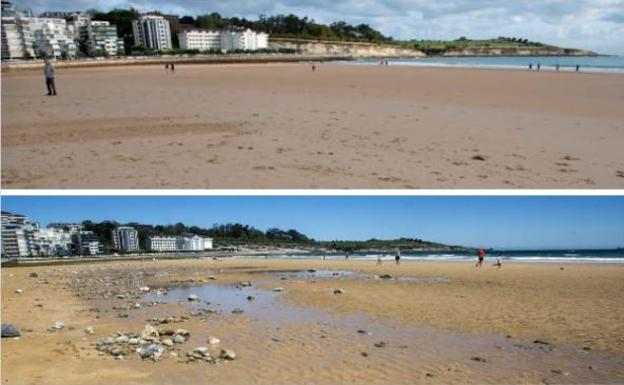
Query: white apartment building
[[202, 40], [194, 242], [247, 40], [17, 38], [51, 242], [86, 243], [52, 38], [125, 238], [102, 36], [161, 243], [17, 235], [152, 31]]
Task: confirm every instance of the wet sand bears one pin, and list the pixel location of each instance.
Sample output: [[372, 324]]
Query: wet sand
[[282, 126], [438, 322]]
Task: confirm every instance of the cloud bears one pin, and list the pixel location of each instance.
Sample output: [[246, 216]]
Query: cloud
[[591, 24]]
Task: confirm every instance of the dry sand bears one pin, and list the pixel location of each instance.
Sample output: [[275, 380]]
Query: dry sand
[[432, 330], [282, 126]]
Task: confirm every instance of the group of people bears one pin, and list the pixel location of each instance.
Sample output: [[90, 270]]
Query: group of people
[[557, 67], [481, 258], [169, 67]]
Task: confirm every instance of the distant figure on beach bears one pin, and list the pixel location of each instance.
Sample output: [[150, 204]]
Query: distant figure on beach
[[347, 256], [530, 66], [313, 68], [539, 66], [323, 257], [557, 67], [167, 67], [481, 256], [386, 63], [50, 72], [379, 261], [499, 261], [397, 256], [172, 67], [578, 67]]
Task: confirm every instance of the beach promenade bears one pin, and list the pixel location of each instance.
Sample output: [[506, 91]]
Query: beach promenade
[[433, 322], [283, 126]]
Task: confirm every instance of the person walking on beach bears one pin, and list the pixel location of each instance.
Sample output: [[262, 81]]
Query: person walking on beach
[[578, 67], [313, 68], [379, 261], [166, 67], [397, 257], [347, 256], [539, 66], [499, 261], [50, 72], [557, 67], [530, 66], [481, 256], [172, 67]]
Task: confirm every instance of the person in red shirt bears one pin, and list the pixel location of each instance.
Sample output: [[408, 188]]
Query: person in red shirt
[[481, 256]]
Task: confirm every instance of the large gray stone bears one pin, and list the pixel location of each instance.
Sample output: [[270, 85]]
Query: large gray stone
[[9, 331]]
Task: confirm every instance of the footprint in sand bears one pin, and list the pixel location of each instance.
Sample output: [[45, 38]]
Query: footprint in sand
[[619, 174], [482, 158]]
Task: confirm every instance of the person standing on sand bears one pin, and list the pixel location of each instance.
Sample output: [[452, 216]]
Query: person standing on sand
[[539, 66], [166, 67], [50, 72], [172, 67], [313, 68], [578, 67], [499, 261], [397, 256], [379, 261], [347, 256], [530, 66], [557, 67], [481, 256]]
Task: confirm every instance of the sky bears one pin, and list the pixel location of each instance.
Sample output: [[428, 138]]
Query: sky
[[512, 222], [590, 24]]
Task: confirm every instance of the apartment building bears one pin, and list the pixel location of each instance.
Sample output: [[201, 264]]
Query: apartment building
[[202, 40], [152, 31], [86, 243], [161, 243], [125, 238], [187, 242], [17, 38], [52, 38], [247, 40], [17, 235], [51, 242]]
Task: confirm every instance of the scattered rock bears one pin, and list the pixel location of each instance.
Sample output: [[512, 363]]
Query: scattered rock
[[58, 325], [365, 332], [167, 342], [478, 359], [364, 354], [122, 339], [250, 298], [542, 342], [192, 297], [19, 291], [137, 305], [120, 296], [144, 289], [213, 340], [480, 157], [179, 339], [244, 283], [429, 375], [228, 354], [201, 350], [152, 351], [10, 331], [237, 311], [338, 291], [278, 289], [122, 315], [33, 275], [380, 344], [212, 277], [311, 271], [557, 371], [149, 333], [385, 276]]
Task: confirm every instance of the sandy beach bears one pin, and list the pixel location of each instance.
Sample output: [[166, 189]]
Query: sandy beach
[[282, 126], [430, 322]]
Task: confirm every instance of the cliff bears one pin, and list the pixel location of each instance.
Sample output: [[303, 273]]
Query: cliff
[[542, 51], [338, 48]]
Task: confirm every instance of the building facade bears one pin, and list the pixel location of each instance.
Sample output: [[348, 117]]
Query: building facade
[[17, 38], [190, 242], [17, 235], [152, 31], [125, 238], [161, 243], [246, 40], [52, 38], [86, 243], [101, 37], [51, 242], [202, 40]]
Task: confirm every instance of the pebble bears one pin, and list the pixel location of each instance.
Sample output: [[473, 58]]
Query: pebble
[[193, 297], [10, 331], [152, 351], [179, 339], [137, 305], [228, 354], [244, 283], [19, 291], [149, 333], [167, 342], [89, 330], [237, 311], [250, 298], [213, 340], [380, 344], [338, 291], [58, 325], [365, 332], [201, 350], [144, 289], [478, 359], [278, 289], [385, 276], [212, 277], [123, 339], [33, 275]]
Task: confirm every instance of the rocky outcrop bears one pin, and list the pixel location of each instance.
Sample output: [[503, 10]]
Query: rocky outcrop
[[545, 51], [350, 49]]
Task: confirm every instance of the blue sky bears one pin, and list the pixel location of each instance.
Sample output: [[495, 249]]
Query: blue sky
[[590, 24], [500, 222]]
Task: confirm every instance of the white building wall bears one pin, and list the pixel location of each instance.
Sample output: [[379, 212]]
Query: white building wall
[[152, 31], [200, 39]]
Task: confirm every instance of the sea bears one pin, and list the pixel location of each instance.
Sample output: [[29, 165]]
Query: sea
[[525, 256], [594, 64]]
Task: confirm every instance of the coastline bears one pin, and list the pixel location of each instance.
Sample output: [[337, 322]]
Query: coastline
[[428, 325]]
